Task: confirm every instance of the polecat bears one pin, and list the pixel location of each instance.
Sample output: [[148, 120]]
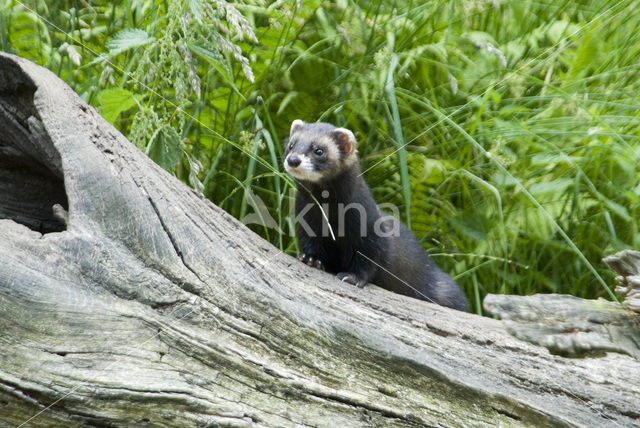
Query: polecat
[[342, 230]]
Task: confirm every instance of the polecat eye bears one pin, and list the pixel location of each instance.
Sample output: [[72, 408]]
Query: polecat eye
[[290, 146], [319, 152]]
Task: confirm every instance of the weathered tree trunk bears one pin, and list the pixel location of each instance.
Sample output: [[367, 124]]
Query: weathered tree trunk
[[149, 305]]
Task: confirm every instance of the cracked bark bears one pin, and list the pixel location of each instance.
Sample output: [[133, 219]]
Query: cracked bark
[[148, 305]]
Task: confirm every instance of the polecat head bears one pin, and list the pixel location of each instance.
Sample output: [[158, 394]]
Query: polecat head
[[317, 152]]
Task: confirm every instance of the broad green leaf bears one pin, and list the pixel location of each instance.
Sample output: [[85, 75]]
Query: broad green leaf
[[127, 39], [501, 179], [164, 148], [113, 102], [585, 55], [555, 186], [434, 171], [561, 29]]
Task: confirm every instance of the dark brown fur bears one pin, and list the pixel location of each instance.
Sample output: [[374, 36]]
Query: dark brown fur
[[398, 262]]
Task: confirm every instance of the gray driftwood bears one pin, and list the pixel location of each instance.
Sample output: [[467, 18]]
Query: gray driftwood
[[136, 302], [627, 265]]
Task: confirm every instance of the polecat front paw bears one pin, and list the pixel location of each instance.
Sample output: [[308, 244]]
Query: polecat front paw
[[311, 261], [351, 278]]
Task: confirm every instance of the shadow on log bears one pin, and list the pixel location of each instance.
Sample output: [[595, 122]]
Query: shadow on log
[[140, 303]]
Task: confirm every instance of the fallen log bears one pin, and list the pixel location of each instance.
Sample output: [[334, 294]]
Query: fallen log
[[128, 299]]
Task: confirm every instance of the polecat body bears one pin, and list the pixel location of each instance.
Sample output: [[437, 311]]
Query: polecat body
[[362, 244]]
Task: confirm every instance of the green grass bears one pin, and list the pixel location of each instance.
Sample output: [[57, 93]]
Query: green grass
[[507, 133]]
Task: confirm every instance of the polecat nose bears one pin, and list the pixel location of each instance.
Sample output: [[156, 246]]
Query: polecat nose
[[294, 161]]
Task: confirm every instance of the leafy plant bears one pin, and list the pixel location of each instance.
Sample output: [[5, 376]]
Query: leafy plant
[[506, 132]]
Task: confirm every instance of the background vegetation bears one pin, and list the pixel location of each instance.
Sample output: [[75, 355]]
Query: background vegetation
[[506, 130]]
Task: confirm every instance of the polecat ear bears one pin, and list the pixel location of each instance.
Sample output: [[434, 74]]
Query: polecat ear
[[295, 125], [345, 139]]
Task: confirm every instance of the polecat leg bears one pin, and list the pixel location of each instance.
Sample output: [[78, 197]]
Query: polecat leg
[[352, 278], [311, 261]]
